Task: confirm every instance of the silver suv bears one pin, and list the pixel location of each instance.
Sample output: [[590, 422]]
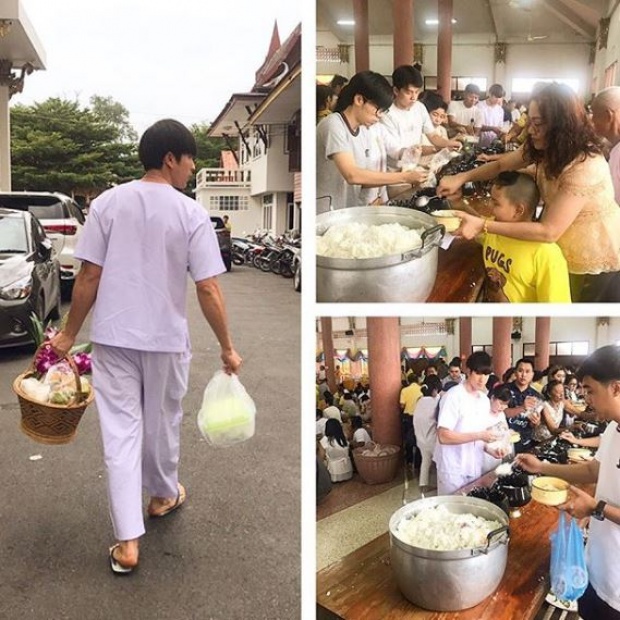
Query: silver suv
[[62, 219]]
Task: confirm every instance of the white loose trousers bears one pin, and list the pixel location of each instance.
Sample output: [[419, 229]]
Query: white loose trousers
[[138, 396]]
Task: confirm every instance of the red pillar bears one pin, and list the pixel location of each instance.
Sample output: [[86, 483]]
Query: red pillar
[[328, 350], [464, 338], [541, 340], [402, 15], [502, 358], [361, 36], [384, 371], [444, 49]]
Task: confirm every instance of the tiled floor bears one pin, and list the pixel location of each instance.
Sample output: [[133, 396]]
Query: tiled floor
[[355, 513]]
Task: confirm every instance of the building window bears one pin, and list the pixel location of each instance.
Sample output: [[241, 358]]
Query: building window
[[267, 211], [229, 203]]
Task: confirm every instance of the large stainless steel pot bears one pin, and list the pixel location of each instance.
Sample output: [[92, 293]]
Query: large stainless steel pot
[[406, 277], [450, 580]]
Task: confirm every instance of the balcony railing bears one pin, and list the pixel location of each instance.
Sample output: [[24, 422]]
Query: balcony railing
[[222, 177]]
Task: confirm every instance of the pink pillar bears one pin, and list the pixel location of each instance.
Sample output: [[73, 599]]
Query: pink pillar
[[502, 328], [464, 338], [361, 36], [384, 372], [444, 49], [402, 15], [328, 349], [541, 339]]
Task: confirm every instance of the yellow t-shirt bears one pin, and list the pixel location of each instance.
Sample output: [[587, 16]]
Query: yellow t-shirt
[[524, 271], [409, 396]]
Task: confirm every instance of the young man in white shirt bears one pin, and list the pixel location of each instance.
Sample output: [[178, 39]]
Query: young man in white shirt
[[407, 120], [600, 376], [492, 115], [464, 116]]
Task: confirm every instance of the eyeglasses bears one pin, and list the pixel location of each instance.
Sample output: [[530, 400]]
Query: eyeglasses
[[377, 110], [536, 123]]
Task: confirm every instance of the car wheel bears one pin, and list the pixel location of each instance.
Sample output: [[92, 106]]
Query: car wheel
[[297, 278]]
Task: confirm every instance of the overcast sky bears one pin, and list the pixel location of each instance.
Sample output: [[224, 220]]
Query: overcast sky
[[181, 59]]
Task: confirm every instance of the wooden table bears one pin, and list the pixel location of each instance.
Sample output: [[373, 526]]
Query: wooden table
[[460, 273], [361, 585], [460, 268]]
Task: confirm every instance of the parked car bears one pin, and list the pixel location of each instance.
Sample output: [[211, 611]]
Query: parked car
[[29, 276], [223, 238], [62, 219]]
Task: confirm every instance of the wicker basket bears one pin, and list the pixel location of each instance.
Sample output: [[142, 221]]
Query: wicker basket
[[376, 469], [48, 423]]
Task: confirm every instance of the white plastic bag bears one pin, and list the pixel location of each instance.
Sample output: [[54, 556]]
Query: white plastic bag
[[227, 413]]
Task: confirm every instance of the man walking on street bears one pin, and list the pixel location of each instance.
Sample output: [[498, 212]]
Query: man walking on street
[[139, 243]]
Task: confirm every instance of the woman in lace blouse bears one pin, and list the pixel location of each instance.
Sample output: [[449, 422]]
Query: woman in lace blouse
[[580, 212]]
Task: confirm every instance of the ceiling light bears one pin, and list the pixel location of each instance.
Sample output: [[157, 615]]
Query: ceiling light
[[435, 22], [346, 22]]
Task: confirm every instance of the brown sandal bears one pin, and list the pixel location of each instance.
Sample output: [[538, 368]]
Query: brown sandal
[[177, 504]]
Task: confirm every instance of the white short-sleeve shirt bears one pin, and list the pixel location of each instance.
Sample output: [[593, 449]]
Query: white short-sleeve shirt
[[463, 412], [147, 237], [405, 129], [614, 166], [464, 115], [603, 547]]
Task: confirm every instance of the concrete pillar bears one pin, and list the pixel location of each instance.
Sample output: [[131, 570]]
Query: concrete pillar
[[361, 35], [464, 338], [541, 342], [384, 372], [502, 327], [402, 12], [5, 140], [444, 49], [328, 350]]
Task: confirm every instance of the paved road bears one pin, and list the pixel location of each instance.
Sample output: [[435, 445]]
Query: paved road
[[231, 552]]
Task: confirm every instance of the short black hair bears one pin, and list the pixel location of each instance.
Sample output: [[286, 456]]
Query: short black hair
[[497, 90], [407, 75], [525, 360], [501, 392], [371, 86], [472, 88], [479, 362], [357, 422], [518, 188], [432, 382], [338, 80], [163, 137], [603, 365]]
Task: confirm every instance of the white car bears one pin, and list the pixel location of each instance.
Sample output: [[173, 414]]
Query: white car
[[62, 219]]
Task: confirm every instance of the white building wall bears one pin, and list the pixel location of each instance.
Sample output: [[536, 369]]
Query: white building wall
[[564, 329], [606, 57], [474, 56], [270, 172]]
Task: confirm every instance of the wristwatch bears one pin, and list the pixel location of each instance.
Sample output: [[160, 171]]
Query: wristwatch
[[598, 512]]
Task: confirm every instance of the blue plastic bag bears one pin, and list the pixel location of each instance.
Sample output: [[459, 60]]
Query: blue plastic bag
[[569, 575]]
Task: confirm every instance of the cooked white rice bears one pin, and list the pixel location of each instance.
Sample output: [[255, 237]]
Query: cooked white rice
[[438, 528], [354, 240]]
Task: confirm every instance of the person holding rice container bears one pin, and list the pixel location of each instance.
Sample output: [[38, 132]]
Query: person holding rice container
[[600, 374], [139, 243], [580, 212], [350, 158], [462, 428]]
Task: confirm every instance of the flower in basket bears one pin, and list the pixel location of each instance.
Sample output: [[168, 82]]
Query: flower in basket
[[53, 379]]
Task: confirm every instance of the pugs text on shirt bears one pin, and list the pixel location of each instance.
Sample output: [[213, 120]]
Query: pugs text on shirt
[[498, 258]]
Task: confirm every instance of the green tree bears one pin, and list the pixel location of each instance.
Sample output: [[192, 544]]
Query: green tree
[[57, 145], [209, 149]]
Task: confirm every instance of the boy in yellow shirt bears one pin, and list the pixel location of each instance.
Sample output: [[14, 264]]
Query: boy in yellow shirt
[[521, 271]]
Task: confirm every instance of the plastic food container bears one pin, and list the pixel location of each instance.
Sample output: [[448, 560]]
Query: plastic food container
[[448, 218], [579, 455], [549, 490]]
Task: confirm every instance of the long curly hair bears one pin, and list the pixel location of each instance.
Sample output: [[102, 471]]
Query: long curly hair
[[570, 134]]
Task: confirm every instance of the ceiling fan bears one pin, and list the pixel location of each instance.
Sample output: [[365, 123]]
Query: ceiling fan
[[530, 37]]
